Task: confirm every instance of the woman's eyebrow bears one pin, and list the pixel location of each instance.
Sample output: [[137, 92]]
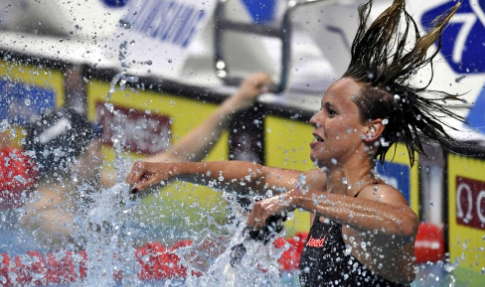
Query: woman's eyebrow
[[327, 105]]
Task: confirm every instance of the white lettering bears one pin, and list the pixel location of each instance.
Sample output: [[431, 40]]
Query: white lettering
[[468, 21], [481, 196], [459, 212], [168, 21]]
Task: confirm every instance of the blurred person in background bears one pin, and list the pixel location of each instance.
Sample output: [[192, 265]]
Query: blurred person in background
[[65, 148]]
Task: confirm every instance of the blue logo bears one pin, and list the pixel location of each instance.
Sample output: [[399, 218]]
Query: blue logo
[[115, 3], [476, 117], [262, 11], [464, 38]]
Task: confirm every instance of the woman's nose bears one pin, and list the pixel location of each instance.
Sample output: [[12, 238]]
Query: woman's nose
[[314, 120]]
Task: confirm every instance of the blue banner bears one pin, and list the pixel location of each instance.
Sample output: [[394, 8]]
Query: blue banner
[[19, 102], [396, 175]]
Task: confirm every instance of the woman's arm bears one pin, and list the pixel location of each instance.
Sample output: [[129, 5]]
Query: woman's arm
[[383, 211], [199, 142], [239, 176]]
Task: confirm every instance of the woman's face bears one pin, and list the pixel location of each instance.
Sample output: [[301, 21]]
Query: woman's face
[[338, 129]]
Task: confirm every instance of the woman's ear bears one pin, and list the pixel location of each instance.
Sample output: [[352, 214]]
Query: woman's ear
[[375, 128]]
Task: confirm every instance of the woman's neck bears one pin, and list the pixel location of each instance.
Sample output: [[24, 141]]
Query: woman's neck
[[349, 179]]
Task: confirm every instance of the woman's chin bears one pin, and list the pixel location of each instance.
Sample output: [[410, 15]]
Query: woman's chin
[[319, 162]]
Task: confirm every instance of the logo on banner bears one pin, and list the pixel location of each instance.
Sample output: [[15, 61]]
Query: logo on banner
[[141, 132], [115, 3], [463, 39], [261, 11], [476, 116], [470, 202], [171, 22], [396, 175]]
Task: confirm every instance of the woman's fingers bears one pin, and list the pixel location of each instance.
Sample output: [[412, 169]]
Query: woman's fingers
[[136, 173], [262, 210], [146, 174], [146, 182]]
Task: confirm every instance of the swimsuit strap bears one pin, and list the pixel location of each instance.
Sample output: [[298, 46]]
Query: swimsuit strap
[[357, 194]]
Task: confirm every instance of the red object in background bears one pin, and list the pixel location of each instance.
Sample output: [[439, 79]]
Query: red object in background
[[160, 263], [157, 263], [4, 270], [151, 257], [290, 259], [430, 243], [17, 175], [33, 268], [28, 266]]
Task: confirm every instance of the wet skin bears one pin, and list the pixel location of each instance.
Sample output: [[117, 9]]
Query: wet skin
[[378, 224]]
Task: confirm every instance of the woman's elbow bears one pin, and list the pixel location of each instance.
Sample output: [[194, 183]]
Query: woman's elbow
[[409, 226]]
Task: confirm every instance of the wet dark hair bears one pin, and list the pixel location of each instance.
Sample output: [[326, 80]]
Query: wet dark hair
[[384, 60], [56, 138]]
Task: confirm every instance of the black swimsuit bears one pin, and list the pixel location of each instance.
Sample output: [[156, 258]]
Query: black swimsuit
[[325, 261]]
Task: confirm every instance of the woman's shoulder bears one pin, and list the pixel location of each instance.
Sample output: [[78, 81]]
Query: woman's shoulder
[[382, 192]]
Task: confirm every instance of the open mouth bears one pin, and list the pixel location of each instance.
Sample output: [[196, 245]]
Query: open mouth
[[316, 138]]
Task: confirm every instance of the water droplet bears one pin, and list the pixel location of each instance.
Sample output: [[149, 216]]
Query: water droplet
[[125, 24], [5, 125], [397, 97], [27, 102]]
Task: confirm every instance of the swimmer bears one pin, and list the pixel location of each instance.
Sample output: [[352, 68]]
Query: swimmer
[[363, 230]]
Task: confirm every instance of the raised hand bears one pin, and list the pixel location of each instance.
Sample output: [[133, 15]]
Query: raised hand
[[250, 88]]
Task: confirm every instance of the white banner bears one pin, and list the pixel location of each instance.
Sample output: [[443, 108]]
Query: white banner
[[144, 37]]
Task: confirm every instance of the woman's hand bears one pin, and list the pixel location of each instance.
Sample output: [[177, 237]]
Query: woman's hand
[[146, 174], [276, 205], [253, 86]]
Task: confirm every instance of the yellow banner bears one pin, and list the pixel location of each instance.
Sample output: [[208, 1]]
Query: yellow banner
[[287, 145], [466, 213]]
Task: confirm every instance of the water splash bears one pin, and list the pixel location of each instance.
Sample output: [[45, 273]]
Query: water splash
[[258, 267], [121, 78]]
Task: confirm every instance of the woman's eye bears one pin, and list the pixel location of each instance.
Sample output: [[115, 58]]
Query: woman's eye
[[331, 112]]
